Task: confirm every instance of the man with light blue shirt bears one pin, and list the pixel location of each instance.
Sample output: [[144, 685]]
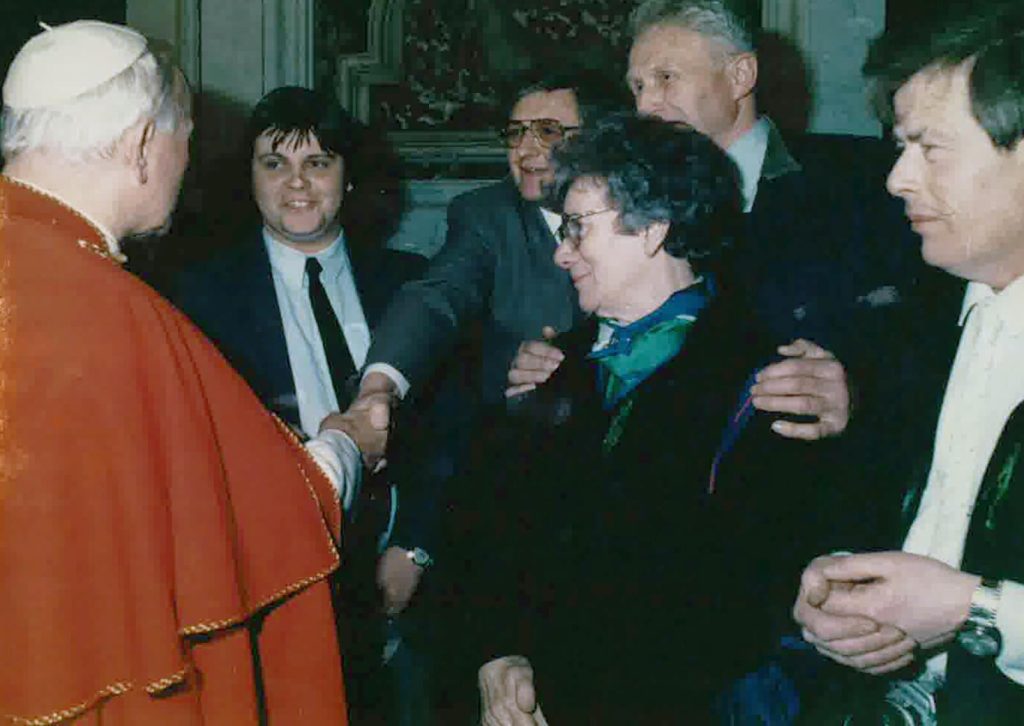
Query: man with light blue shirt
[[264, 301], [292, 304], [824, 245]]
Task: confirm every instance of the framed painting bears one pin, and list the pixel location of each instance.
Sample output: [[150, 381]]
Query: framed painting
[[434, 73]]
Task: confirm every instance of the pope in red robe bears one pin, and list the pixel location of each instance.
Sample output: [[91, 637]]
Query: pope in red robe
[[164, 541]]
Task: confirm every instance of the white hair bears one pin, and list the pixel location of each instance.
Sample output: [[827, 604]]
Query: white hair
[[90, 125], [711, 18]]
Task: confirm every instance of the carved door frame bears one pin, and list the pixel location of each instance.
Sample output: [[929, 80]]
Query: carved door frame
[[273, 36]]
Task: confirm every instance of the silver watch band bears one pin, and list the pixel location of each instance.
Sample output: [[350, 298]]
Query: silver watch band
[[985, 603]]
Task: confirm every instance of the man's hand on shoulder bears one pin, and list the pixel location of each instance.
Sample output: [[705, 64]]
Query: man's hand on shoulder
[[534, 363], [810, 382], [507, 694]]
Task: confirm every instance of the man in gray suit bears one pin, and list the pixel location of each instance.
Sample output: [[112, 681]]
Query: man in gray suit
[[495, 271], [496, 262]]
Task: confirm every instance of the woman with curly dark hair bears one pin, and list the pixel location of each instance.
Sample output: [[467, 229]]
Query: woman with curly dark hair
[[637, 529]]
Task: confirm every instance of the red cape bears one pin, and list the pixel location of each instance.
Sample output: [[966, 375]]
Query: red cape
[[164, 542]]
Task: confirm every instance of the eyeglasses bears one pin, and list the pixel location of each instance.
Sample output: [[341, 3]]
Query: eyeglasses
[[547, 131], [570, 230]]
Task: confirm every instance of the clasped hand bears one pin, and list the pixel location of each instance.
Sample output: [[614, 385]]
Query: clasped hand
[[507, 694], [872, 611], [367, 421]]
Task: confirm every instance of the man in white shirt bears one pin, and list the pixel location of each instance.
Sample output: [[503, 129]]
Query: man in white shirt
[[256, 298], [951, 602], [291, 304]]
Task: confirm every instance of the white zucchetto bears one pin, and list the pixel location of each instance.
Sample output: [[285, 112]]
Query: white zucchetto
[[63, 62]]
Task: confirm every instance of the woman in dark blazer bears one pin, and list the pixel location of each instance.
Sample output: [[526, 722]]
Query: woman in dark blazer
[[629, 538]]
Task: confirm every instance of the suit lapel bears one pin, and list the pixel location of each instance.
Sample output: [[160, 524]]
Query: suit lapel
[[535, 229], [976, 691], [259, 329], [542, 243], [995, 541], [363, 274]]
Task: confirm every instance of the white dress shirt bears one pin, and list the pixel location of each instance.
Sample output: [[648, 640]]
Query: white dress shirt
[[333, 451], [554, 222], [985, 386], [339, 459], [306, 355]]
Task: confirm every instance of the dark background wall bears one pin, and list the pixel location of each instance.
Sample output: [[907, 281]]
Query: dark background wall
[[20, 20], [902, 12]]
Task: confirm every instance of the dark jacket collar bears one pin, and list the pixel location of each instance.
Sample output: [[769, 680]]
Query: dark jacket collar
[[777, 159]]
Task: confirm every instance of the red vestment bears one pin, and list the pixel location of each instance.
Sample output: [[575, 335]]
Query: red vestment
[[164, 542]]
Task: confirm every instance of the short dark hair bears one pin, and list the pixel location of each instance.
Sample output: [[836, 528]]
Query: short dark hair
[[304, 113], [989, 34], [375, 196], [657, 172], [597, 92]]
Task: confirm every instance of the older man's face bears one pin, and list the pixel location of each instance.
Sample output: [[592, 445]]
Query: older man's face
[[167, 164], [963, 194], [529, 161], [683, 77]]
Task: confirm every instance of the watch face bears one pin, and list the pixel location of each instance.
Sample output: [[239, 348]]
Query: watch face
[[419, 557], [983, 642]]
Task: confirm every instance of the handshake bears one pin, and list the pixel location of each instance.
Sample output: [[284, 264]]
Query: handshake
[[873, 611], [367, 421]]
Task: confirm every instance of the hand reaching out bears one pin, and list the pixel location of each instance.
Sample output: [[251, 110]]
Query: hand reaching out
[[368, 419]]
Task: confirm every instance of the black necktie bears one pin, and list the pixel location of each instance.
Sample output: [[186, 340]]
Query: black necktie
[[339, 360]]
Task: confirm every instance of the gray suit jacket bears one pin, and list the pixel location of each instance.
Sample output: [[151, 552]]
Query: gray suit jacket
[[494, 277]]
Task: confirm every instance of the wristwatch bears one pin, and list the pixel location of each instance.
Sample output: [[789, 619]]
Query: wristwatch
[[419, 556], [979, 635]]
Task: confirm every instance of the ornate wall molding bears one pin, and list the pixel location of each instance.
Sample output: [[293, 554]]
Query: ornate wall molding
[[287, 43], [788, 17], [188, 40], [380, 63], [176, 22], [437, 111]]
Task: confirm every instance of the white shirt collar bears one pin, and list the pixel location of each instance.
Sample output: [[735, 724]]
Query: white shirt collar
[[553, 220], [109, 239], [1008, 304], [290, 263], [748, 152]]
